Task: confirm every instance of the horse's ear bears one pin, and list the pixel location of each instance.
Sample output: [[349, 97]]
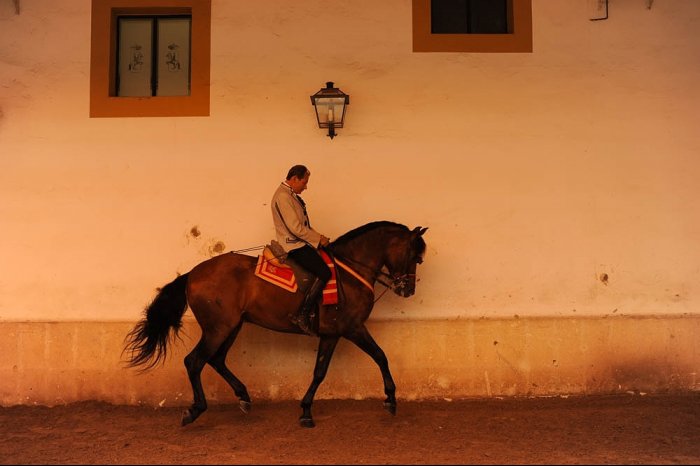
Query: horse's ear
[[420, 230]]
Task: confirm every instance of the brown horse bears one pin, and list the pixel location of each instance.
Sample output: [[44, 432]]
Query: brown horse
[[223, 293]]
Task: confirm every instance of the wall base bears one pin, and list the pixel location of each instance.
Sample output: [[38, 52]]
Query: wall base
[[49, 363]]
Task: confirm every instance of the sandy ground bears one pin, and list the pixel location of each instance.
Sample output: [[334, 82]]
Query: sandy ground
[[615, 429]]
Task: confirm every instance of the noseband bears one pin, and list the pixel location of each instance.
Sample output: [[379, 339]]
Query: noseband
[[398, 281]]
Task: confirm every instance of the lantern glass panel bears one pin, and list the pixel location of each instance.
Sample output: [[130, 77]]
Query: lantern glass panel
[[330, 109]]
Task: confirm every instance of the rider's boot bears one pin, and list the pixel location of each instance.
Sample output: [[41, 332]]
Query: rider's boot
[[305, 316]]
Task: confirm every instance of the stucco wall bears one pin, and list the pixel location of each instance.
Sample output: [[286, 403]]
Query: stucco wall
[[537, 174]]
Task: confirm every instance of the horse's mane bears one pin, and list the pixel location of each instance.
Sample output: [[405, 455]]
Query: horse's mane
[[359, 231]]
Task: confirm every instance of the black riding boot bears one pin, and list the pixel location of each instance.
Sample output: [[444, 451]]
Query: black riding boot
[[304, 319]]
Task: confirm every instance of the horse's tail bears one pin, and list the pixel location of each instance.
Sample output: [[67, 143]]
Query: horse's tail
[[147, 342]]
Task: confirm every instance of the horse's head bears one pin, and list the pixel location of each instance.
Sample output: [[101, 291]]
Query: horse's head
[[378, 245], [403, 256]]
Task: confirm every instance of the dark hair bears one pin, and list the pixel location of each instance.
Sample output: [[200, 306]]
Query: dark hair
[[299, 171]]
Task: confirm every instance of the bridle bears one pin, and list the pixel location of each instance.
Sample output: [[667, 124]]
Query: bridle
[[395, 282]]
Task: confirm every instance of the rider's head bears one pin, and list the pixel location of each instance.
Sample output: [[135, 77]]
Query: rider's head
[[298, 178]]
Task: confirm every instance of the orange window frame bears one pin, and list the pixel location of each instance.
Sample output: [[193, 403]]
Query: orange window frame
[[519, 39], [103, 99]]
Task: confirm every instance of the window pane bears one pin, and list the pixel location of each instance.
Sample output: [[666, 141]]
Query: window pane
[[469, 16], [330, 109], [488, 17], [449, 16], [173, 56], [135, 54]]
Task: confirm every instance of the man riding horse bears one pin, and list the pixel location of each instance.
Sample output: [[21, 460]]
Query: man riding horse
[[300, 241], [224, 292]]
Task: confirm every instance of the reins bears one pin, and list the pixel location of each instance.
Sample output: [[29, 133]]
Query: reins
[[254, 248], [399, 279], [356, 275]]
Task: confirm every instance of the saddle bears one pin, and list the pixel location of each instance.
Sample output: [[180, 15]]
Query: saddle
[[275, 266]]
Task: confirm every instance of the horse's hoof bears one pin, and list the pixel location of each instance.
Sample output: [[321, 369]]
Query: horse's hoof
[[187, 417], [245, 406], [391, 407], [306, 422]]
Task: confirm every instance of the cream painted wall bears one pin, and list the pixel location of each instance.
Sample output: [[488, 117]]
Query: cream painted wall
[[535, 173]]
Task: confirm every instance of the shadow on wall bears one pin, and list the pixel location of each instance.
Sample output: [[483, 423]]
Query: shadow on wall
[[641, 375]]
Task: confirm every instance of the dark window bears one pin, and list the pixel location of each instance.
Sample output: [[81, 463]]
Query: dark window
[[477, 26], [469, 16]]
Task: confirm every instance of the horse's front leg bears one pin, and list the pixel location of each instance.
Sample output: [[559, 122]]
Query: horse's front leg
[[323, 358], [366, 343]]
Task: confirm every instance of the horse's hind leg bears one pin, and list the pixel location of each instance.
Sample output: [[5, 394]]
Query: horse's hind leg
[[323, 358], [194, 363], [218, 362], [362, 338], [202, 353]]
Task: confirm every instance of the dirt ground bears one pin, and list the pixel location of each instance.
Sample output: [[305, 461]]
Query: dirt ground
[[615, 429]]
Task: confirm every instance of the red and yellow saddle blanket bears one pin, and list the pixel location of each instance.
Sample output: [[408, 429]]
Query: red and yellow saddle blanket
[[282, 275]]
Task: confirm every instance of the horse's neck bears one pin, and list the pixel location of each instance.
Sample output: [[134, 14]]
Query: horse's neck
[[367, 251]]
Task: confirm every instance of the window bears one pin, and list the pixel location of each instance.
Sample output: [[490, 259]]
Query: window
[[153, 55], [472, 25], [469, 17], [150, 58]]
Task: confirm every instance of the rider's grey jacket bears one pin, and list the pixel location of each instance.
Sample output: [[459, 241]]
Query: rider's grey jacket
[[291, 220]]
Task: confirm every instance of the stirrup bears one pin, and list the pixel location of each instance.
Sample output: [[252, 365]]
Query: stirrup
[[303, 324]]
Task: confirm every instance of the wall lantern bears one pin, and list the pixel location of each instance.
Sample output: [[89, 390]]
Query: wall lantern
[[330, 103]]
